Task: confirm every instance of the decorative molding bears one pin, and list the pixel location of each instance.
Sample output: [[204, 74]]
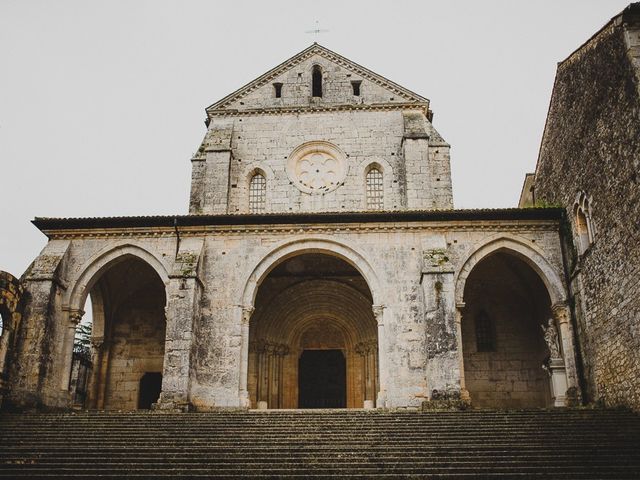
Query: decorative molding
[[223, 230], [298, 109]]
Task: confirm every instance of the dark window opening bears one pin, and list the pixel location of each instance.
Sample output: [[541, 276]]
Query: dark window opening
[[317, 82], [150, 388], [485, 334], [278, 89], [356, 87]]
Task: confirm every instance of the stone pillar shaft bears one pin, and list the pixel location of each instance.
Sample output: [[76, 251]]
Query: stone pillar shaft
[[243, 394], [74, 317], [561, 315], [378, 313]]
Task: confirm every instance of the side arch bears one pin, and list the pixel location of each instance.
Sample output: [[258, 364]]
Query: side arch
[[299, 246], [522, 249], [105, 259]]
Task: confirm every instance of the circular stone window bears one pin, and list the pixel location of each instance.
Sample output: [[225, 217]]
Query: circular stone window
[[317, 167]]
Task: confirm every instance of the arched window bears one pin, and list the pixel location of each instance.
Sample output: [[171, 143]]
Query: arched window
[[485, 334], [375, 190], [257, 193], [316, 80], [582, 221]]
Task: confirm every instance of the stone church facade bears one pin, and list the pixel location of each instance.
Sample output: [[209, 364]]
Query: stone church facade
[[321, 265]]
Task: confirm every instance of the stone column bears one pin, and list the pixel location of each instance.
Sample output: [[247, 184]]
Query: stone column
[[245, 317], [464, 393], [562, 315], [282, 352], [378, 313], [555, 364], [74, 317], [94, 378]]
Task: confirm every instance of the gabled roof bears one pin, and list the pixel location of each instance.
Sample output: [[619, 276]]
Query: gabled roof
[[316, 49]]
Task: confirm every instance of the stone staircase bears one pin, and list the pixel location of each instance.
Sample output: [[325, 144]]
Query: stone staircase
[[554, 444]]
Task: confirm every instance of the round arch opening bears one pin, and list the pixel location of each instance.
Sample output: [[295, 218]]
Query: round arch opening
[[504, 350], [118, 355], [313, 337]]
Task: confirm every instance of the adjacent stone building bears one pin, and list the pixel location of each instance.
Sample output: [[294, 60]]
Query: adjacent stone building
[[589, 163], [321, 265]]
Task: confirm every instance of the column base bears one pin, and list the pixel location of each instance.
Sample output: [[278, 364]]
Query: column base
[[243, 400], [558, 382], [171, 407]]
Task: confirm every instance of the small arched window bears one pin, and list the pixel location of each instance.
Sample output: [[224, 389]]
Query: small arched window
[[485, 333], [375, 189], [257, 193], [316, 82], [582, 221]]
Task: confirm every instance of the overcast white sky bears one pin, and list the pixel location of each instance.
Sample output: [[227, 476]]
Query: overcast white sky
[[102, 103]]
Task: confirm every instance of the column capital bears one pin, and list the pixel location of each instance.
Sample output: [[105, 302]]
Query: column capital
[[247, 311], [75, 316], [378, 310], [560, 312]]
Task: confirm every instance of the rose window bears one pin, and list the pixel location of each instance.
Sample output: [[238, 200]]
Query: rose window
[[317, 167]]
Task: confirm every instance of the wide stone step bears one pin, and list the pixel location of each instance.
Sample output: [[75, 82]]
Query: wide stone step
[[338, 456], [185, 470], [322, 444]]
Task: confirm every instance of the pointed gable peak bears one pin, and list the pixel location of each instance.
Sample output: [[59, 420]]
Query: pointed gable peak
[[259, 93]]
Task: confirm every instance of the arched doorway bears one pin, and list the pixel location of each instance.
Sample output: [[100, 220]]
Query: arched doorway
[[128, 335], [504, 351], [313, 336]]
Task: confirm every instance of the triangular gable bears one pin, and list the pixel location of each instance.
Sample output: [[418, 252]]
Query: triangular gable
[[404, 95]]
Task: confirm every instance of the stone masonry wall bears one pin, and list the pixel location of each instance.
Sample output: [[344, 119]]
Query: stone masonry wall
[[251, 144], [138, 348], [591, 145], [384, 126]]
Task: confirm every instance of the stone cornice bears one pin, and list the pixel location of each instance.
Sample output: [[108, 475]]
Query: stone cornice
[[228, 230], [297, 109]]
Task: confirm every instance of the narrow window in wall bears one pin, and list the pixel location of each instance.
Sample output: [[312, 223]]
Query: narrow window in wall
[[485, 334], [316, 80], [582, 222], [375, 190], [277, 88], [356, 87], [257, 193], [582, 227]]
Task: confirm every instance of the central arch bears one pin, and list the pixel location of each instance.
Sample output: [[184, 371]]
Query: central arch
[[313, 337]]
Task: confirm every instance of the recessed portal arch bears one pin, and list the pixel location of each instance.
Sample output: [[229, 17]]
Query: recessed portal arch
[[323, 245], [309, 303]]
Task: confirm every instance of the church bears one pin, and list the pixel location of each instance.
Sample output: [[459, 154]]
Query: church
[[322, 264]]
